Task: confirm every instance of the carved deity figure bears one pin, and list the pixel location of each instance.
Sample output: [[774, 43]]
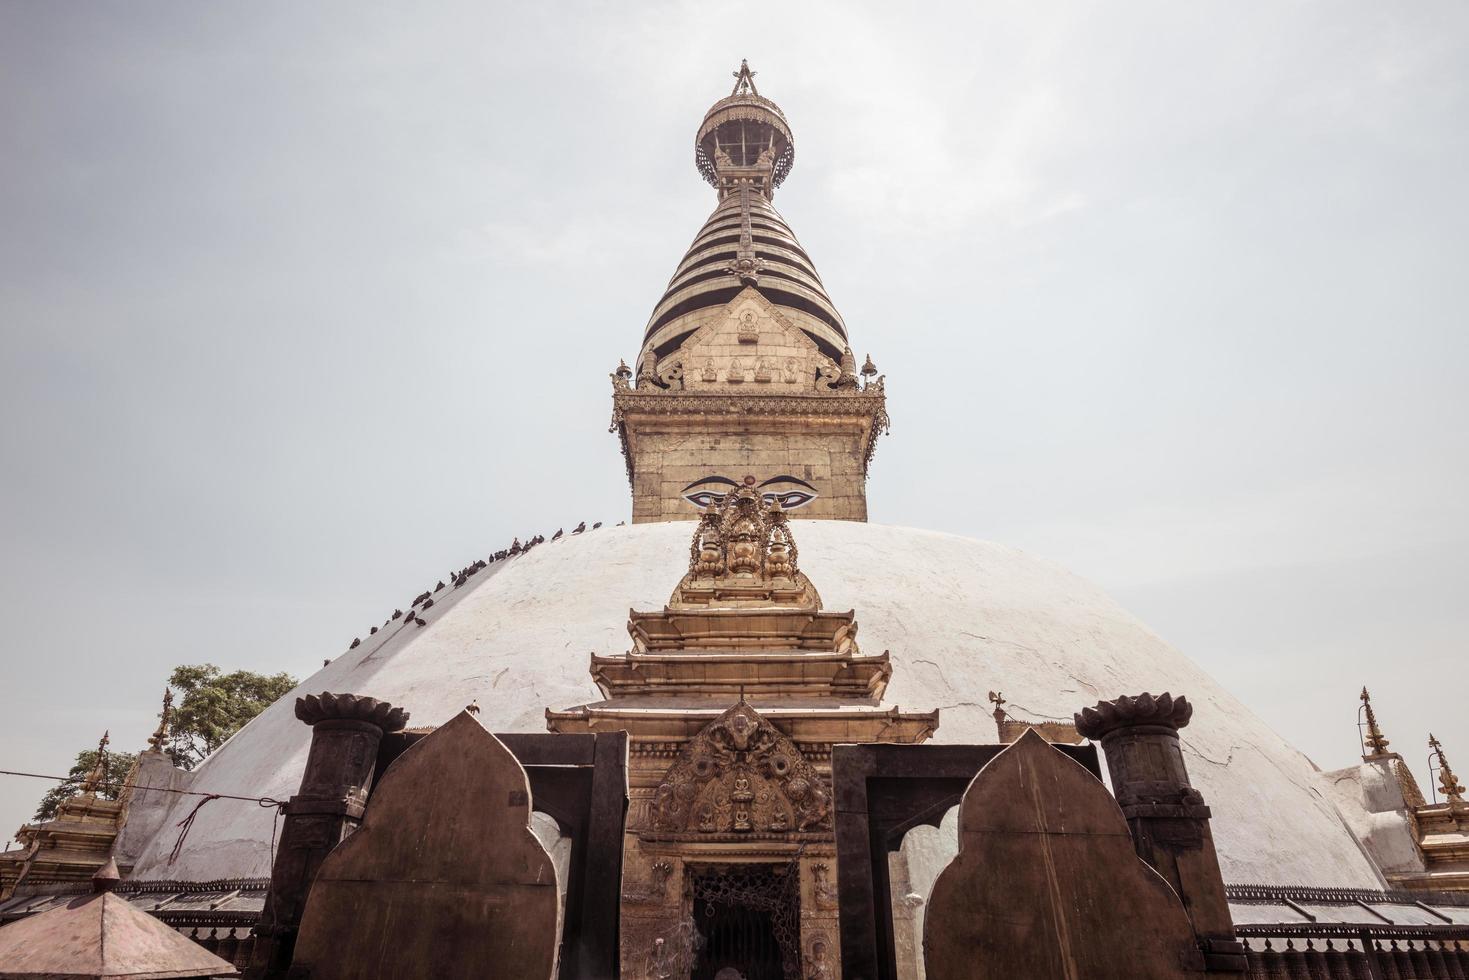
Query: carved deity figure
[[706, 558], [662, 961], [738, 775], [778, 561], [739, 730], [819, 967], [826, 895], [780, 553], [812, 802], [741, 796], [743, 544], [749, 332]]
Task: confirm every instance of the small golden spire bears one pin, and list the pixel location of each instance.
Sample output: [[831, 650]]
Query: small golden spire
[[744, 80], [98, 776], [1447, 781], [1375, 742], [160, 734]]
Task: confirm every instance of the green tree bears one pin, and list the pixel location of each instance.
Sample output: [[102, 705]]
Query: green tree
[[118, 766], [214, 706]]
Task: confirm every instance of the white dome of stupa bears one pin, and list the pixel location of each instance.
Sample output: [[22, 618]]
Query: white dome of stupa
[[960, 617]]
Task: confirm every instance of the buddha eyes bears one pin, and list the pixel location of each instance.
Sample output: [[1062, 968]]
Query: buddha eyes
[[789, 491], [704, 498], [791, 499]]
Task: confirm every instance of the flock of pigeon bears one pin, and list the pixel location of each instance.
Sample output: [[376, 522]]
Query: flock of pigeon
[[425, 599]]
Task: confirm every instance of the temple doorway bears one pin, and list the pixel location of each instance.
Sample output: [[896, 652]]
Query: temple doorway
[[748, 919]]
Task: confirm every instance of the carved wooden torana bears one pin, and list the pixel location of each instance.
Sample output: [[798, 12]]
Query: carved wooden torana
[[733, 695]]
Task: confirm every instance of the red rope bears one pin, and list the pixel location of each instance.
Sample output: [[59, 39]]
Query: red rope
[[187, 824]]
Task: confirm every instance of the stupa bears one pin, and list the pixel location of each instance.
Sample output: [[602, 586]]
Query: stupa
[[746, 420]]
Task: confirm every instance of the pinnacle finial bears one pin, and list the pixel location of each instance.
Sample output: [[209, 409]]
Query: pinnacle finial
[[744, 80], [1447, 781], [997, 698], [1375, 741], [160, 734], [98, 776], [106, 877]]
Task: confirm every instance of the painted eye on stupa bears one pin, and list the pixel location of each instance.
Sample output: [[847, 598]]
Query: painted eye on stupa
[[709, 490], [791, 499], [790, 491], [704, 498]]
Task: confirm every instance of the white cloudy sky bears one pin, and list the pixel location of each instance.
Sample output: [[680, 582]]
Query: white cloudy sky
[[304, 305]]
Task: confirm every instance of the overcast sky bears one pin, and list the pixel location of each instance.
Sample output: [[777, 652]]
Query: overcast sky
[[304, 305]]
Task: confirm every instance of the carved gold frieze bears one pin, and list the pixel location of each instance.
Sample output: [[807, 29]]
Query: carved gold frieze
[[740, 776]]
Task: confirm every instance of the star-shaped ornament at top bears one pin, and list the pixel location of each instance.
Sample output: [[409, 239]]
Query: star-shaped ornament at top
[[744, 80]]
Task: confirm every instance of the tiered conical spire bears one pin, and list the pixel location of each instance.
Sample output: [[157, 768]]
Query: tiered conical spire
[[745, 372], [745, 149]]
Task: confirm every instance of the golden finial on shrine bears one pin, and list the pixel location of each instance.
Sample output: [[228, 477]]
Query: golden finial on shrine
[[998, 700], [160, 734], [98, 776], [1376, 744], [1447, 781]]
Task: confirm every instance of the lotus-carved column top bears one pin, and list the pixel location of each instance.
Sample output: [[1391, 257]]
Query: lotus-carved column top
[[1132, 712], [314, 709]]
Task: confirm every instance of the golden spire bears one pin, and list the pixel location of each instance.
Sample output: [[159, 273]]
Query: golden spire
[[1447, 781], [160, 734], [744, 80], [1375, 742], [98, 776]]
